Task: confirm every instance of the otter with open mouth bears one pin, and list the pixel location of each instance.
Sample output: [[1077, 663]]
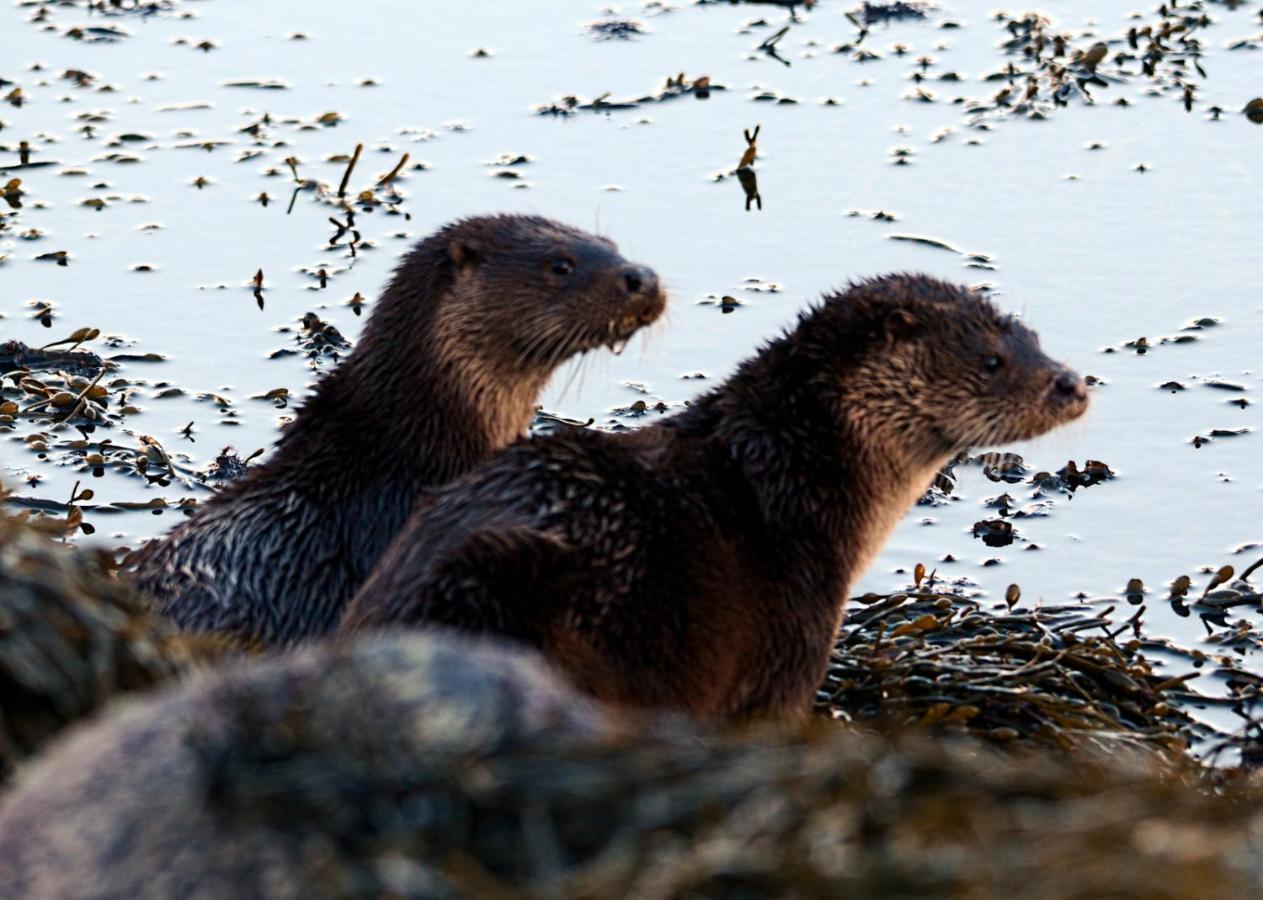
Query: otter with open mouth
[[702, 563], [475, 320]]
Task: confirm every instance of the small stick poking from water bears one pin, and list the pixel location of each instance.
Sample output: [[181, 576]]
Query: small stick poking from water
[[752, 150], [393, 173], [770, 43], [350, 167]]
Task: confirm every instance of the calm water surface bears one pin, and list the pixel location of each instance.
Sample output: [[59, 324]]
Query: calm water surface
[[1100, 224]]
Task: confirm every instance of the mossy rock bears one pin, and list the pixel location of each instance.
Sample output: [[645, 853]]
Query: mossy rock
[[426, 766], [71, 638]]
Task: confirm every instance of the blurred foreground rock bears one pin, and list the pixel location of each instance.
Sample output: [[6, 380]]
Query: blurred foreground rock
[[71, 637], [425, 766]]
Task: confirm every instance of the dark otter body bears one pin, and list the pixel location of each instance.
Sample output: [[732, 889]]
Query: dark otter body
[[473, 323], [702, 563]]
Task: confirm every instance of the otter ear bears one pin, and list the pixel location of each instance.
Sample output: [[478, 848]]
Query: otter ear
[[902, 324], [465, 254]]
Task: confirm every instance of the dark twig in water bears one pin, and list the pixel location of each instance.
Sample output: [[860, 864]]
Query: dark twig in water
[[1245, 576], [769, 46], [393, 173], [350, 167]]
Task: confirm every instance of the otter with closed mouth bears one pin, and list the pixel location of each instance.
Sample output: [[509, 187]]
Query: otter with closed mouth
[[702, 563], [475, 320]]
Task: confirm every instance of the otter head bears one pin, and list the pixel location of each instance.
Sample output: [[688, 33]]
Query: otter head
[[527, 293], [939, 369]]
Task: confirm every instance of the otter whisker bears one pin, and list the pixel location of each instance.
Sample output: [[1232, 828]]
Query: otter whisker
[[538, 351], [559, 347], [566, 344], [575, 366], [578, 339]]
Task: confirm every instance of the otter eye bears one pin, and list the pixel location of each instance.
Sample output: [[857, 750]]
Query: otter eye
[[562, 267], [992, 364]]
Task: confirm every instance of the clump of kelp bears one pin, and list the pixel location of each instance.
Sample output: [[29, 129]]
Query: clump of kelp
[[74, 407], [1049, 68], [675, 86], [72, 636], [1055, 676]]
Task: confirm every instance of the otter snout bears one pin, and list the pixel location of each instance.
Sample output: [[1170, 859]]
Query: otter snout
[[1069, 391], [644, 294], [639, 279]]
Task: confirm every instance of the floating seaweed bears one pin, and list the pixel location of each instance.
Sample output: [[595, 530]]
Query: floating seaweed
[[615, 29], [885, 13], [676, 86]]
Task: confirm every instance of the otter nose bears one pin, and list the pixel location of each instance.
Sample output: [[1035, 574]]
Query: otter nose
[[640, 281], [1068, 386]]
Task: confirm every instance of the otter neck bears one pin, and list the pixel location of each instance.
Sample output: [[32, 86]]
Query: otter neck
[[828, 489], [416, 404]]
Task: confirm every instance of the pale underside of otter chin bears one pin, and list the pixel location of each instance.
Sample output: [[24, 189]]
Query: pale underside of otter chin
[[1035, 422], [1013, 421]]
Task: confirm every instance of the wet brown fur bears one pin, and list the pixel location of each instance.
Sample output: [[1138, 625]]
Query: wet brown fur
[[702, 563], [474, 321]]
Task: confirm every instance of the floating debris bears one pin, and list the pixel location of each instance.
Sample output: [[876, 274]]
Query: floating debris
[[270, 84], [676, 86], [972, 260], [615, 29], [15, 355], [885, 13], [995, 532]]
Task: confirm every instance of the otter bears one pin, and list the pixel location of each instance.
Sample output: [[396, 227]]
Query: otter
[[474, 321], [701, 563]]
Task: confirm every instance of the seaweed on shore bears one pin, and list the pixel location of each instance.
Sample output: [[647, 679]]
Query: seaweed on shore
[[17, 355], [1054, 676]]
